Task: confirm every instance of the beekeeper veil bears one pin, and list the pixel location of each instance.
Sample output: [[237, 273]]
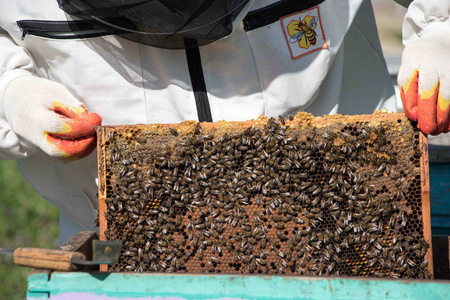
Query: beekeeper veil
[[160, 23]]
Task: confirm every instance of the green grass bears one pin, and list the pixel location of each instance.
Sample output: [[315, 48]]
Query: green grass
[[26, 220]]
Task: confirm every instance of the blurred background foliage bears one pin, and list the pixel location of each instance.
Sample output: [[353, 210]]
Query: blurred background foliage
[[26, 220]]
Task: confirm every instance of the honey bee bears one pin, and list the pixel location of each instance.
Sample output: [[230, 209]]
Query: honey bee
[[303, 31]]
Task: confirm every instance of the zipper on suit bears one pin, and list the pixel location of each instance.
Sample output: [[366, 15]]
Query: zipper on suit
[[65, 29], [269, 14]]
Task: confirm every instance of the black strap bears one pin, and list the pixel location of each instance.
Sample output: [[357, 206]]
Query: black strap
[[198, 80]]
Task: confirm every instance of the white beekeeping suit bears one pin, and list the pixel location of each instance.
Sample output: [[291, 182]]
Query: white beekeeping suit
[[60, 71]]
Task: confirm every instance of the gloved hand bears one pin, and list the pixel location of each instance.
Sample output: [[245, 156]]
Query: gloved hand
[[48, 120], [424, 81]]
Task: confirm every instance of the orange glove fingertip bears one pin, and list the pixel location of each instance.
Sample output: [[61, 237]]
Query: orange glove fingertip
[[442, 112], [409, 95], [73, 149], [93, 118]]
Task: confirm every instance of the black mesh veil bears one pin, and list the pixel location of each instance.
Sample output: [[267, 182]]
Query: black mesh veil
[[160, 23]]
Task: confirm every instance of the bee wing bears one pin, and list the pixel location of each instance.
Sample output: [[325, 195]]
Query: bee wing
[[313, 23], [296, 37]]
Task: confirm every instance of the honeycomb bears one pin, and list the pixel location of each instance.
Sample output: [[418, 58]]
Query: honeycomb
[[334, 195]]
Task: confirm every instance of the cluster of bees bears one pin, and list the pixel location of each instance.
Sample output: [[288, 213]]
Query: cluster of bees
[[276, 198]]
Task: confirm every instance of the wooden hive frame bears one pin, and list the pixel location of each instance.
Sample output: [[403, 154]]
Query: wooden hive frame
[[114, 142]]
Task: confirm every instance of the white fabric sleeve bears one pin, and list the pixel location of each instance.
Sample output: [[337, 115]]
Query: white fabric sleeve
[[425, 16], [15, 61]]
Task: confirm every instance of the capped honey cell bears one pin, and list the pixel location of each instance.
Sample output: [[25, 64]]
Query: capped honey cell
[[333, 195]]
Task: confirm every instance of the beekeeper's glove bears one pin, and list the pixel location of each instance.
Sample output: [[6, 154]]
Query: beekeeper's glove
[[48, 120], [424, 81]]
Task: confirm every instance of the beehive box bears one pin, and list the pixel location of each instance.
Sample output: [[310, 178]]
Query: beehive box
[[334, 195]]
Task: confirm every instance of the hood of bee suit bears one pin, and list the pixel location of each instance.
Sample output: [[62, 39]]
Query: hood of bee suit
[[160, 23]]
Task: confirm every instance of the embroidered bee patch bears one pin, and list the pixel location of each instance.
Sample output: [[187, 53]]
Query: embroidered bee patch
[[304, 33]]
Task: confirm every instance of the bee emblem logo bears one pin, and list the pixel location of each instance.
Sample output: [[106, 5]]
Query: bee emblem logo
[[302, 31]]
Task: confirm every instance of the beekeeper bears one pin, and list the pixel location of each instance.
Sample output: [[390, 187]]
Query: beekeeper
[[67, 66]]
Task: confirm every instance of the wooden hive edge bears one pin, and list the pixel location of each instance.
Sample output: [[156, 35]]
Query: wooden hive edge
[[101, 157], [425, 190], [304, 120]]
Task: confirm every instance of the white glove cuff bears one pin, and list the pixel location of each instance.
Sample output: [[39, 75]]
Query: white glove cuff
[[11, 147], [5, 80], [28, 106], [436, 27], [26, 90], [424, 16]]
